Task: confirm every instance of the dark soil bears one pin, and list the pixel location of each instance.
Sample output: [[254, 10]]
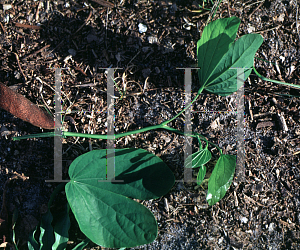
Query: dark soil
[[261, 212]]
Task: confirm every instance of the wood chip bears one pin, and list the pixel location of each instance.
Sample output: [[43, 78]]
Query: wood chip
[[253, 201], [250, 109], [282, 122], [265, 124], [27, 26]]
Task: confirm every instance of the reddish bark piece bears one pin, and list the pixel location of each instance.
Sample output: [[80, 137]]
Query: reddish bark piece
[[22, 108], [265, 124], [27, 26]]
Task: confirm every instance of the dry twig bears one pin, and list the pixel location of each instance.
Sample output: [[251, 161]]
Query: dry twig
[[38, 51], [85, 23], [18, 61], [2, 27]]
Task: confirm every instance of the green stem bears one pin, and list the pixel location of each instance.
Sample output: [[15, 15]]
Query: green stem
[[199, 141], [274, 81], [103, 137], [112, 137], [216, 9], [116, 136], [168, 121], [49, 134], [193, 135]]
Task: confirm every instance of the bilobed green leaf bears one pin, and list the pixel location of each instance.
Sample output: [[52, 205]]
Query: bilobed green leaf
[[109, 219], [144, 175], [103, 213], [201, 174], [223, 79], [221, 178], [198, 158], [215, 41]]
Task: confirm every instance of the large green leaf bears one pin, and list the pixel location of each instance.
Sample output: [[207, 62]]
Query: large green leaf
[[223, 79], [101, 209], [215, 41], [145, 176], [221, 178]]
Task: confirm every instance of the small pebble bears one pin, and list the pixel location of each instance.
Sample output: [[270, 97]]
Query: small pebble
[[271, 227], [7, 6], [152, 39], [244, 220], [142, 28]]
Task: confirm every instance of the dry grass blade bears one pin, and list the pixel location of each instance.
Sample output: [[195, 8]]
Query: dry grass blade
[[22, 108]]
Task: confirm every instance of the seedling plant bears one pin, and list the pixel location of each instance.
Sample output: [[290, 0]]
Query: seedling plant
[[104, 209]]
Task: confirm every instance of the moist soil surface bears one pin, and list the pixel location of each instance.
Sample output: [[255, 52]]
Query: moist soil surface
[[148, 41]]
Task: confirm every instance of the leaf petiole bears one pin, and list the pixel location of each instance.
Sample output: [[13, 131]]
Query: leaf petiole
[[274, 81]]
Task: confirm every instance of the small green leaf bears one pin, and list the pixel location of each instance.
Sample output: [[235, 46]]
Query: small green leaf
[[215, 41], [223, 78], [221, 178], [198, 158], [201, 174], [103, 213]]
